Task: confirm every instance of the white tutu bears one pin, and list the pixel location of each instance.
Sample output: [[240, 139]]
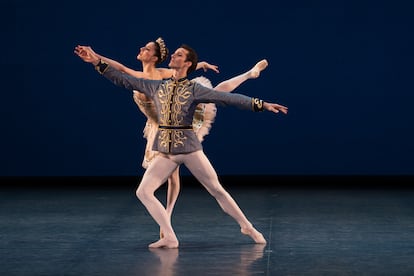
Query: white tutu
[[205, 113], [150, 129]]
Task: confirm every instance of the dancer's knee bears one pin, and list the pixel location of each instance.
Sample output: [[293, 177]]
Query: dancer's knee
[[217, 191], [142, 193]]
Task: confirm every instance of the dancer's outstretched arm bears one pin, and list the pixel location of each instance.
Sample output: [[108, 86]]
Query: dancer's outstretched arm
[[165, 72], [231, 84], [88, 51]]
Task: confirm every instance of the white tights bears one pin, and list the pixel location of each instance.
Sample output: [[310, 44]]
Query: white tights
[[198, 164]]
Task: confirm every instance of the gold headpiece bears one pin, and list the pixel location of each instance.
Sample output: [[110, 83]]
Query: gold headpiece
[[163, 48]]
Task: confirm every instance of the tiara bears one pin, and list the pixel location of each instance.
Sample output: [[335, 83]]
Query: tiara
[[163, 48]]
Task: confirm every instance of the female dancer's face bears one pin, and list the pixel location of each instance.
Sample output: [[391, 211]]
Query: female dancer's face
[[147, 53]]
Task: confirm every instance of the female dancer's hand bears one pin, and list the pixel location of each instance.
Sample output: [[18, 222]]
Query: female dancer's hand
[[206, 66]]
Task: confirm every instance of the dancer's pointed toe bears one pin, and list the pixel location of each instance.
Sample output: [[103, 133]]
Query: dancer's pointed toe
[[260, 66]]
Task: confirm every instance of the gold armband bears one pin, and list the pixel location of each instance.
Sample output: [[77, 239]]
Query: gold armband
[[257, 105], [101, 66]]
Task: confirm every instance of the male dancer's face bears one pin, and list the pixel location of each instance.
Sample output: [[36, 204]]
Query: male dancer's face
[[178, 59]]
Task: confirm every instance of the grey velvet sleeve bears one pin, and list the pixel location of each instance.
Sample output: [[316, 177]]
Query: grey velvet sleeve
[[148, 87], [207, 95]]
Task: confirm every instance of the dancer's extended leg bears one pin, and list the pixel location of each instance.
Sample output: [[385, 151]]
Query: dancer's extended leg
[[231, 84], [201, 168]]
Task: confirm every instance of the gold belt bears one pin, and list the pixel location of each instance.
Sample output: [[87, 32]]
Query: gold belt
[[175, 127]]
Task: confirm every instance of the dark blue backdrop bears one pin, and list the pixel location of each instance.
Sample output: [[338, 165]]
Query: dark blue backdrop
[[344, 69]]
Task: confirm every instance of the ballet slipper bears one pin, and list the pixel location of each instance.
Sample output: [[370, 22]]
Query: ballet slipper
[[254, 234], [260, 66], [164, 243]]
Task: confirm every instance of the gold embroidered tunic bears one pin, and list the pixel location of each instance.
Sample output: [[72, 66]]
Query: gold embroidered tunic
[[176, 102]]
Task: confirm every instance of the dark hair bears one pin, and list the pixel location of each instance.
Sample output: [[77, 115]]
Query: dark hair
[[191, 56], [161, 50]]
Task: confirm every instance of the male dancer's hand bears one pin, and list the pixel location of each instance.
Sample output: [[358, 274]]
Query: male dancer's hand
[[274, 107], [87, 54]]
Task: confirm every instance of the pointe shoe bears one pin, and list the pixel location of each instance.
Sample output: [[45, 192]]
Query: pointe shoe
[[255, 235], [260, 66]]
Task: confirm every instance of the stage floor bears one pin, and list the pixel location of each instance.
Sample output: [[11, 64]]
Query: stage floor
[[105, 230]]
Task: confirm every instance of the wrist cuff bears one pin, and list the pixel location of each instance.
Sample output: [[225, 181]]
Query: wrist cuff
[[101, 66], [257, 105]]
